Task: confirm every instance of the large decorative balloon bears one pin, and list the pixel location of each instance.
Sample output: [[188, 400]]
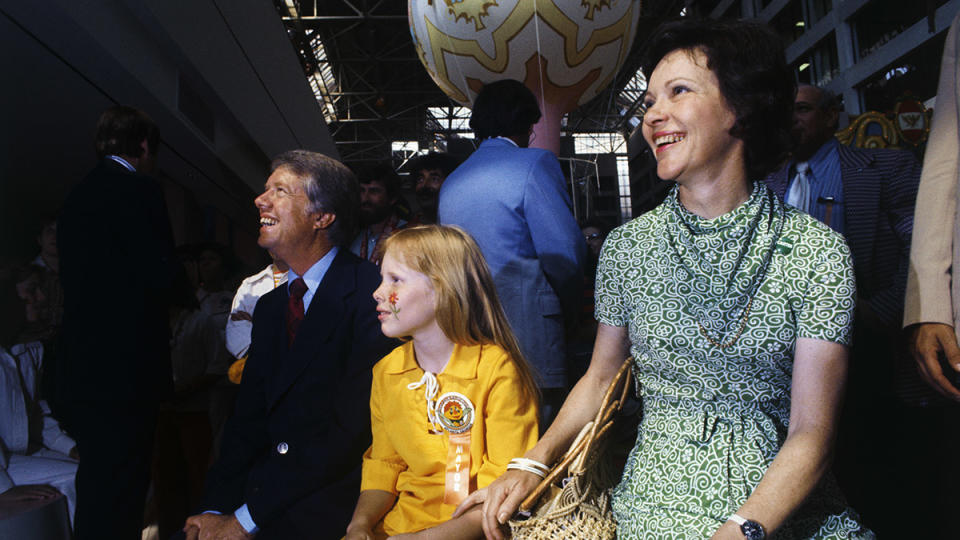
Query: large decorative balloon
[[565, 51]]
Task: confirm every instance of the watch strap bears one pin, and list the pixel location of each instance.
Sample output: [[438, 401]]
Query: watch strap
[[750, 529]]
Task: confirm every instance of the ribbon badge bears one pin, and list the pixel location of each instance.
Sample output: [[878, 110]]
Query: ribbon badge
[[455, 412]]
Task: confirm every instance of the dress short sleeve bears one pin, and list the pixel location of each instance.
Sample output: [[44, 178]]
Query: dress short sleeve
[[830, 298], [611, 302]]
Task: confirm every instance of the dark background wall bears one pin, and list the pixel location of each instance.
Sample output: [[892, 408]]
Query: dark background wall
[[220, 78]]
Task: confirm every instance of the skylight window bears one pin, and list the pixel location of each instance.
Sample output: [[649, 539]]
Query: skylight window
[[322, 81], [451, 118], [599, 143], [405, 146]]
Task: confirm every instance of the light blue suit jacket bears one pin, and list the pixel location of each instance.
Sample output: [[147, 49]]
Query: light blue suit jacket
[[514, 203]]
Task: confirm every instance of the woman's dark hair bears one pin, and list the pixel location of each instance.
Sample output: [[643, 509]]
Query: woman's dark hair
[[504, 108], [748, 59]]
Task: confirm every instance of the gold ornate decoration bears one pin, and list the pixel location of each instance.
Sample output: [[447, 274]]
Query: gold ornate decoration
[[592, 5], [470, 11], [858, 134]]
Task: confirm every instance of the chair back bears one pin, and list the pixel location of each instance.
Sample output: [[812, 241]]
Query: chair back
[[46, 519]]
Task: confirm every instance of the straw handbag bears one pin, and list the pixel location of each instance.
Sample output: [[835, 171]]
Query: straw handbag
[[574, 499]]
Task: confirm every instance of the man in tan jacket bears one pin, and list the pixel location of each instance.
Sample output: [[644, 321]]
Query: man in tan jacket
[[932, 306]]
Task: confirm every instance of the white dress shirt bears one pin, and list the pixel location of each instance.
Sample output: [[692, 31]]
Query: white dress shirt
[[252, 288], [33, 448]]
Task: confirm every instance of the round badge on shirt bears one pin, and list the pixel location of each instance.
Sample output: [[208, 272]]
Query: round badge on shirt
[[454, 412]]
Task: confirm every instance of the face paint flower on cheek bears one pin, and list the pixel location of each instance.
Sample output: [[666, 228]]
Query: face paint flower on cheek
[[393, 305]]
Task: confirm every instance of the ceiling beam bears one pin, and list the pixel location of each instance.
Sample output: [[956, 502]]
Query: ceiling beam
[[344, 18]]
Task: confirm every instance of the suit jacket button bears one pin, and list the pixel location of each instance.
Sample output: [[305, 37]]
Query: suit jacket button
[[282, 448]]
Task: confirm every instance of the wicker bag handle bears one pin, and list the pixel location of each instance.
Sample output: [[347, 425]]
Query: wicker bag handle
[[575, 460]]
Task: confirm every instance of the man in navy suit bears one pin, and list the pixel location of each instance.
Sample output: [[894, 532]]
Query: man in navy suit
[[117, 267], [513, 201], [292, 451], [867, 195]]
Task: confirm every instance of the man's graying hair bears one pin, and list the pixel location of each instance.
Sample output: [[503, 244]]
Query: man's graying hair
[[330, 187], [828, 101]]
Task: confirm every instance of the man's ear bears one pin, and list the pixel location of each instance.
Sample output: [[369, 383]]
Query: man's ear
[[324, 220], [833, 118]]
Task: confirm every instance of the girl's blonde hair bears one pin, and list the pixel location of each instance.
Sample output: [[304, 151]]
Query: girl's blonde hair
[[468, 308]]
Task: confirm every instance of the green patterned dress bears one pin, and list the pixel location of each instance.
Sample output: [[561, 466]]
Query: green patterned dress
[[753, 280]]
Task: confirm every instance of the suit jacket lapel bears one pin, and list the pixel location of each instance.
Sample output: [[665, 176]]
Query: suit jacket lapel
[[861, 195], [319, 322]]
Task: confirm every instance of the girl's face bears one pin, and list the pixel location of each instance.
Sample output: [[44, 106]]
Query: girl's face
[[406, 302]]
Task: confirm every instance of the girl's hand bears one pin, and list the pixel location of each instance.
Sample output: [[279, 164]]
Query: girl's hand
[[360, 533], [500, 500]]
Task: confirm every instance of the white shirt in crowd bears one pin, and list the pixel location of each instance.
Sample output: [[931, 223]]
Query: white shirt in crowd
[[33, 448], [252, 288]]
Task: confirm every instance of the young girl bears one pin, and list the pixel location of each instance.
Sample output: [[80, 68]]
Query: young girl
[[450, 408]]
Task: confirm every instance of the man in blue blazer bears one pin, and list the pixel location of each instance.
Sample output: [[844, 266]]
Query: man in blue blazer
[[867, 195], [292, 451], [513, 201]]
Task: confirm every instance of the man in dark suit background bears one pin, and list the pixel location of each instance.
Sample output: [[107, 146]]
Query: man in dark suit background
[[867, 195], [292, 451], [117, 266]]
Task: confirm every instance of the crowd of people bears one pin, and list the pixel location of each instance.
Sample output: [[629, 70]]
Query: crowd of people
[[411, 365]]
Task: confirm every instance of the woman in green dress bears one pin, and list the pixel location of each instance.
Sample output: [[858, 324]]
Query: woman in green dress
[[737, 310]]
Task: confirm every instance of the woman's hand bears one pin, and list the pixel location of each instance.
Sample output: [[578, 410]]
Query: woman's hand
[[29, 492], [500, 500], [728, 531]]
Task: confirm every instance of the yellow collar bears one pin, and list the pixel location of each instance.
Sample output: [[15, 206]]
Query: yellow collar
[[462, 365]]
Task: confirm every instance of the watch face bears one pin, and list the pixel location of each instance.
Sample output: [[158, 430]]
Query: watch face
[[752, 530]]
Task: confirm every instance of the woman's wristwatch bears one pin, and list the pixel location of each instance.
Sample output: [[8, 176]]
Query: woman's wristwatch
[[751, 529]]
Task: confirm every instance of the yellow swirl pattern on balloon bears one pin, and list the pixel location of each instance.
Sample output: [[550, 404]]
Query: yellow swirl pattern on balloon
[[470, 11]]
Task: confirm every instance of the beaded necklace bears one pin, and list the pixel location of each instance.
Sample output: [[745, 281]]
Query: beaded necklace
[[764, 223]]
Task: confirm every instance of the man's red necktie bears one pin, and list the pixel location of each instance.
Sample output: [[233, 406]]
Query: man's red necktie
[[295, 308]]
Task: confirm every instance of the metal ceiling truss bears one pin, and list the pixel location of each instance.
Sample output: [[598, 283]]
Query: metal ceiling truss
[[382, 93]]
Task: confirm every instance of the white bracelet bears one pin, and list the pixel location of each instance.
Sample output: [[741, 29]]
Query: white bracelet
[[520, 467], [531, 463], [739, 520]]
